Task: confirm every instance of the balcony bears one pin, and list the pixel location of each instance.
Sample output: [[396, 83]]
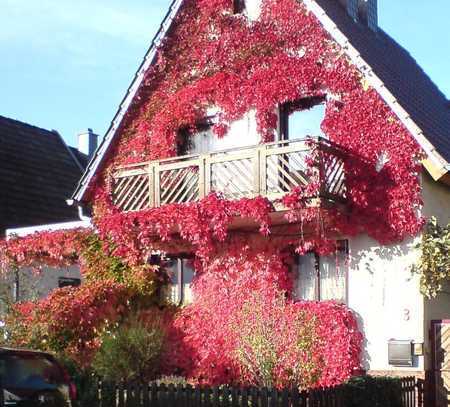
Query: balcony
[[271, 170]]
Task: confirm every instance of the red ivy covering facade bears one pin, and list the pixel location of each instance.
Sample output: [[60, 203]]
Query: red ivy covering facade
[[214, 58]]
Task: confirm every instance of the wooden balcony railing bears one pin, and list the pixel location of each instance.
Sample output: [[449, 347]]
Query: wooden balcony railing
[[270, 170]]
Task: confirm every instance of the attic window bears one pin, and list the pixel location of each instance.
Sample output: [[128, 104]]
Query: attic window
[[302, 118], [238, 6], [198, 141]]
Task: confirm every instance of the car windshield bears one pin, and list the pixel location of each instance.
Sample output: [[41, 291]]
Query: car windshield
[[29, 371]]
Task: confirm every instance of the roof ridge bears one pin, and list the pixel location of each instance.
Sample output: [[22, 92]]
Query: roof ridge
[[53, 131]]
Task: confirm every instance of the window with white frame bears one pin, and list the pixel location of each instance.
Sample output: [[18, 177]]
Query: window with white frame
[[322, 278], [181, 273], [302, 118]]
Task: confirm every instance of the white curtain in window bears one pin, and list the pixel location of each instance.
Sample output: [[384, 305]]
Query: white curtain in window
[[333, 275], [306, 281], [188, 276]]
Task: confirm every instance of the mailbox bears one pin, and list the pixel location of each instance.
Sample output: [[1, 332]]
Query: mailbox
[[400, 352]]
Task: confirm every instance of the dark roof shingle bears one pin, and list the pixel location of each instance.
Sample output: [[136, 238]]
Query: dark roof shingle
[[427, 106], [37, 175]]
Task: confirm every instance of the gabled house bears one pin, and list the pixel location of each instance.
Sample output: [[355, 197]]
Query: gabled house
[[38, 172], [211, 141]]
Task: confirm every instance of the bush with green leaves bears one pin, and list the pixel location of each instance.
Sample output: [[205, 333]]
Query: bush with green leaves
[[275, 344], [369, 391], [132, 351], [434, 264]]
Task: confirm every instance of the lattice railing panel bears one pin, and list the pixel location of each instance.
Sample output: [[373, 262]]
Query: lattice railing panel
[[333, 175], [179, 185], [234, 179], [270, 170], [131, 193], [286, 171]]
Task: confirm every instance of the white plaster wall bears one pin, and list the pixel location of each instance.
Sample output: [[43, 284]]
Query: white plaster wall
[[34, 285], [241, 133], [253, 9], [436, 197], [385, 295]]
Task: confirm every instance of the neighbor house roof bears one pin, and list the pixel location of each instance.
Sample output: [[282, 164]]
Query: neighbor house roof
[[38, 172], [388, 67]]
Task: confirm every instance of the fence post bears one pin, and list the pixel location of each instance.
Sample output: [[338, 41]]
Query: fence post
[[2, 393], [254, 396], [420, 388], [216, 397]]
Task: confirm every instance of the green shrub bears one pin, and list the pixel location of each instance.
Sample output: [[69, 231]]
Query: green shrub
[[368, 391], [132, 352]]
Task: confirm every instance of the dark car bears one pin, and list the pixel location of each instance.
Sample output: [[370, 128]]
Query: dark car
[[31, 378]]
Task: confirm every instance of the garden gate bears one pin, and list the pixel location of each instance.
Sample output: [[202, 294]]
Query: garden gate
[[440, 337]]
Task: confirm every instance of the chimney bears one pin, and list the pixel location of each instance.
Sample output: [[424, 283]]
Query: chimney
[[364, 11], [87, 142]]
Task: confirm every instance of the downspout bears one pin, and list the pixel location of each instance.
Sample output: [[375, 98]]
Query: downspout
[[81, 215]]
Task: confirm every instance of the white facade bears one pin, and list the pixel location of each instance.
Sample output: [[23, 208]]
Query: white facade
[[385, 294]]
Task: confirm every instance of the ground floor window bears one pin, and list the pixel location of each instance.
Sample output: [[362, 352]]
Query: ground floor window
[[322, 278], [181, 274]]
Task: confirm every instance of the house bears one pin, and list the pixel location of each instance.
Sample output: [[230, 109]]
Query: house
[[38, 172], [222, 103]]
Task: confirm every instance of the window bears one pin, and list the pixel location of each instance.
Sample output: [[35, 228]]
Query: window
[[68, 282], [238, 6], [322, 278], [181, 273], [197, 142], [302, 118]]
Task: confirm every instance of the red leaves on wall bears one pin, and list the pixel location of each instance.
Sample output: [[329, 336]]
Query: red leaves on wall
[[212, 58], [206, 327], [52, 248]]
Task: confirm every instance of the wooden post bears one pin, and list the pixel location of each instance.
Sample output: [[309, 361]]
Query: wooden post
[[207, 164], [201, 177], [156, 177], [151, 186], [262, 171], [257, 172]]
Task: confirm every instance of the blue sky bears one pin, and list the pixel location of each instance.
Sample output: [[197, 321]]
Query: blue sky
[[66, 64]]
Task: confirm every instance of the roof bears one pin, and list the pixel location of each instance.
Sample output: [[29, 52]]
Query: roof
[[401, 74], [416, 100], [37, 174]]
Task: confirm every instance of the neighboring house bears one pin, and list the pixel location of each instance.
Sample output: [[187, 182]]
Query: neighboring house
[[377, 283], [38, 172]]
